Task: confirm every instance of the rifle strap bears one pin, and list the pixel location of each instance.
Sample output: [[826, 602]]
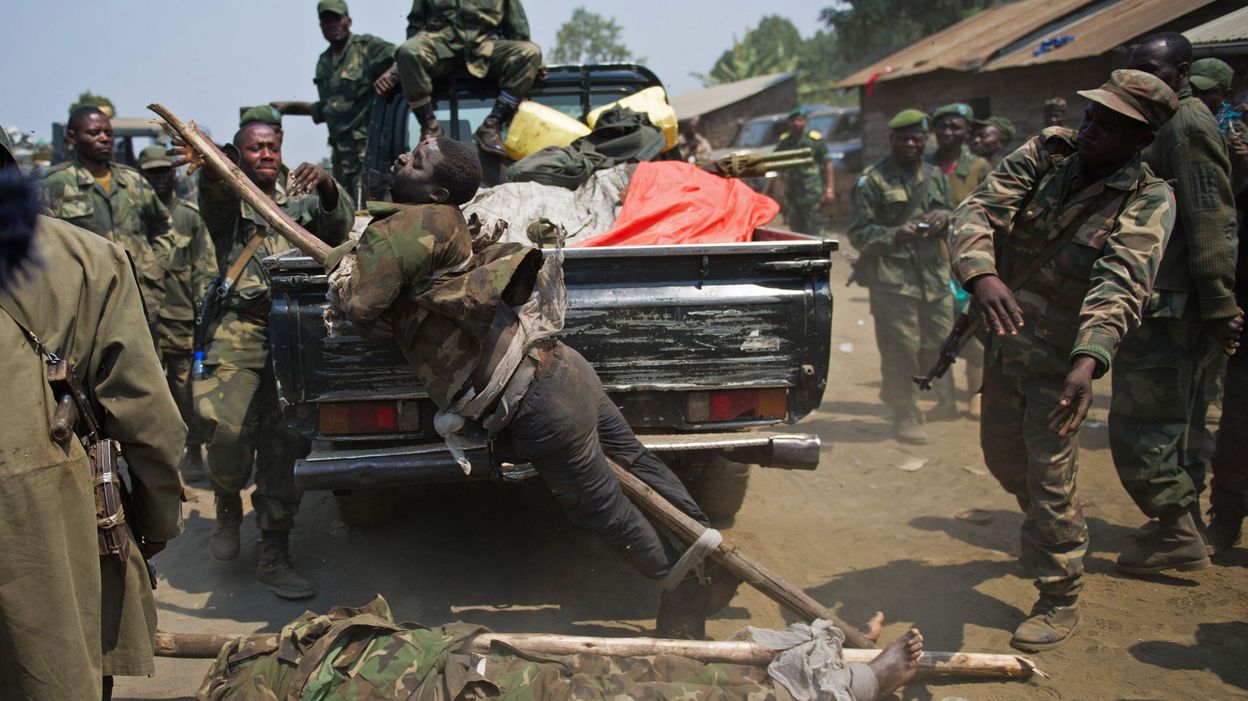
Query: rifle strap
[[1033, 266], [240, 263], [40, 349]]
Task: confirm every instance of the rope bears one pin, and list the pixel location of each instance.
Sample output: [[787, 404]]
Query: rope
[[697, 552]]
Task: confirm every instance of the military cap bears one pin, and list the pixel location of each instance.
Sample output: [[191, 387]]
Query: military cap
[[7, 159], [267, 114], [1055, 104], [906, 119], [1208, 72], [154, 157], [797, 112], [1137, 95], [961, 109], [1003, 125], [338, 7]]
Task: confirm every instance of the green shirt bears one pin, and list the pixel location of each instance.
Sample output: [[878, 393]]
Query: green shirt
[[344, 86], [809, 182], [967, 174], [192, 264]]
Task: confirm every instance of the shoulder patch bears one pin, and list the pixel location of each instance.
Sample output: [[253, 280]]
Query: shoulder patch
[[814, 134], [784, 135]]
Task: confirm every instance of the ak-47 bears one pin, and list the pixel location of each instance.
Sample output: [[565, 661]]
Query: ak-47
[[208, 310], [964, 329], [746, 164]]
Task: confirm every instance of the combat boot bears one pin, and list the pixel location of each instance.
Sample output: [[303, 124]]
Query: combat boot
[[192, 465], [489, 136], [909, 428], [683, 610], [1225, 531], [1175, 544], [1052, 621], [223, 544], [430, 128], [275, 569]]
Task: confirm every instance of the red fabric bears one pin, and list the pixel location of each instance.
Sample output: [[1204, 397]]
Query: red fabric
[[670, 202]]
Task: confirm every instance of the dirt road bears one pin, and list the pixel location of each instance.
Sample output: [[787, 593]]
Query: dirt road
[[872, 528]]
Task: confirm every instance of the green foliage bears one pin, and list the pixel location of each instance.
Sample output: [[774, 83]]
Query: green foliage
[[868, 30], [588, 37], [89, 98], [776, 46]]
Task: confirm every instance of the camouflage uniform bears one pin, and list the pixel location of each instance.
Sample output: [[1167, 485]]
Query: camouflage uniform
[[966, 175], [804, 187], [130, 216], [236, 396], [1083, 302], [344, 85], [489, 37], [909, 283]]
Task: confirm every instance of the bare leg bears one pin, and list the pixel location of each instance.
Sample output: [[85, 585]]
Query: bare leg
[[898, 662], [873, 627]]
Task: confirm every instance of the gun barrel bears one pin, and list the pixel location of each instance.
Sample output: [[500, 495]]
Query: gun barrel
[[789, 154]]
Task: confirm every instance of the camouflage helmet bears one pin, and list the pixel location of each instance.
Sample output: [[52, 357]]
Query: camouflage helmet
[[154, 156], [266, 114], [1137, 95], [1210, 72], [338, 7]]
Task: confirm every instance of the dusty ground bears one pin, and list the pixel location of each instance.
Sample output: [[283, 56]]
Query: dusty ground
[[860, 531]]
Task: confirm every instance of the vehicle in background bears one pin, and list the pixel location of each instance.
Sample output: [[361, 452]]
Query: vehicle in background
[[130, 134], [842, 131]]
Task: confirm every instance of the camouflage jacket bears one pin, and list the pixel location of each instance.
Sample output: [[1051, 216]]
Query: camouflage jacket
[[882, 199], [466, 29], [130, 216], [344, 86], [192, 264], [809, 182], [1089, 295], [241, 338], [969, 172], [416, 275]]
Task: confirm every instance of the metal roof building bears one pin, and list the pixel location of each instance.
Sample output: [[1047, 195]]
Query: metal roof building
[[720, 108]]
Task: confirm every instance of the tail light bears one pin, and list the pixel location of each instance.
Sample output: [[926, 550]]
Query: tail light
[[346, 418], [738, 405]]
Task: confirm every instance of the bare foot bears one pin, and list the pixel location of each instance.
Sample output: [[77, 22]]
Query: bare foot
[[898, 662], [871, 631]]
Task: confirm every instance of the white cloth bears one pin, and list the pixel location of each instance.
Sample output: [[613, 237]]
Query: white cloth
[[589, 210], [810, 663]]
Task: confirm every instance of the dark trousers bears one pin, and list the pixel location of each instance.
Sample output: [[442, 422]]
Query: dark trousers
[[1229, 488], [566, 427]]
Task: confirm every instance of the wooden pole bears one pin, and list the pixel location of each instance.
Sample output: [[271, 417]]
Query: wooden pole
[[762, 579], [943, 664], [225, 169]]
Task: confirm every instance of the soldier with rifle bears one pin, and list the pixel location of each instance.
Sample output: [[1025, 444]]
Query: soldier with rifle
[[808, 190], [1060, 247]]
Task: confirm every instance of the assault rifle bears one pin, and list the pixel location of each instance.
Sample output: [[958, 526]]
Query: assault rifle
[[964, 329], [746, 164]]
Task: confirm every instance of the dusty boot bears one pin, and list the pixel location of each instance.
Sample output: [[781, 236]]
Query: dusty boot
[[1175, 544], [683, 610], [1051, 623], [489, 135], [223, 544], [275, 569], [192, 465], [909, 428], [1225, 531], [429, 126]]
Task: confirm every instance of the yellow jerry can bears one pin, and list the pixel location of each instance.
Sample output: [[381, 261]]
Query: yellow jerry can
[[536, 126], [653, 102]]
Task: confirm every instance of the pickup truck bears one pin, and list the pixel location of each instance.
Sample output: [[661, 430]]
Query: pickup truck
[[701, 346]]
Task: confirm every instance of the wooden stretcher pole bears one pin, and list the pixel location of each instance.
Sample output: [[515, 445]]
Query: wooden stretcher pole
[[762, 579], [225, 169]]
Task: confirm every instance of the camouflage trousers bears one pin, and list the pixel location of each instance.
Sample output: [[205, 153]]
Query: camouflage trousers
[[909, 332], [513, 64], [1038, 467], [240, 410], [348, 164], [178, 374], [804, 213], [1157, 375], [1229, 487]]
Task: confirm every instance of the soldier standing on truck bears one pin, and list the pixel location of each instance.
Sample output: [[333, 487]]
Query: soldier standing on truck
[[191, 265], [1088, 220], [490, 38], [809, 190], [348, 73], [478, 330], [901, 210], [235, 395]]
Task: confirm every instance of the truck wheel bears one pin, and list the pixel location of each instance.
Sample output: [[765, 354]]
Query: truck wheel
[[362, 508], [723, 489]]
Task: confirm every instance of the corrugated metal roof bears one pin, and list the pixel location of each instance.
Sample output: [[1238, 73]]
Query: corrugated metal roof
[[699, 102], [1232, 26], [969, 44], [1101, 31]]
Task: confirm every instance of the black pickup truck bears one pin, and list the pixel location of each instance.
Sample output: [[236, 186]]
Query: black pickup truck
[[701, 346]]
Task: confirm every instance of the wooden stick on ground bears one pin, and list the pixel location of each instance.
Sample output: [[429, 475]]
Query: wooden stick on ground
[[945, 664], [762, 579], [223, 167]]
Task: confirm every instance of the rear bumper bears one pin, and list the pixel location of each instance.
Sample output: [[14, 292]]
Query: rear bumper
[[432, 463]]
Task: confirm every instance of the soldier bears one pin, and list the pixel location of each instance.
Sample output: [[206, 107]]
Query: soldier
[[69, 618], [991, 139], [112, 200], [348, 73], [901, 210], [694, 147], [236, 395], [1211, 84], [490, 38], [191, 265], [1089, 195], [810, 189], [1192, 312], [1054, 112], [963, 169]]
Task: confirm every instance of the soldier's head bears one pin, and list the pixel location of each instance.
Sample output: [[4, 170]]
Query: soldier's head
[[335, 22], [797, 121], [90, 131], [952, 124], [157, 169], [260, 113], [1122, 117], [907, 136], [1054, 112], [260, 154], [437, 171], [1211, 82], [991, 136], [690, 127], [19, 211], [1167, 55]]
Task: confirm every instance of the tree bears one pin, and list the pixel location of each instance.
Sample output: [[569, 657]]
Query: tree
[[88, 98], [588, 37], [774, 46], [868, 30]]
